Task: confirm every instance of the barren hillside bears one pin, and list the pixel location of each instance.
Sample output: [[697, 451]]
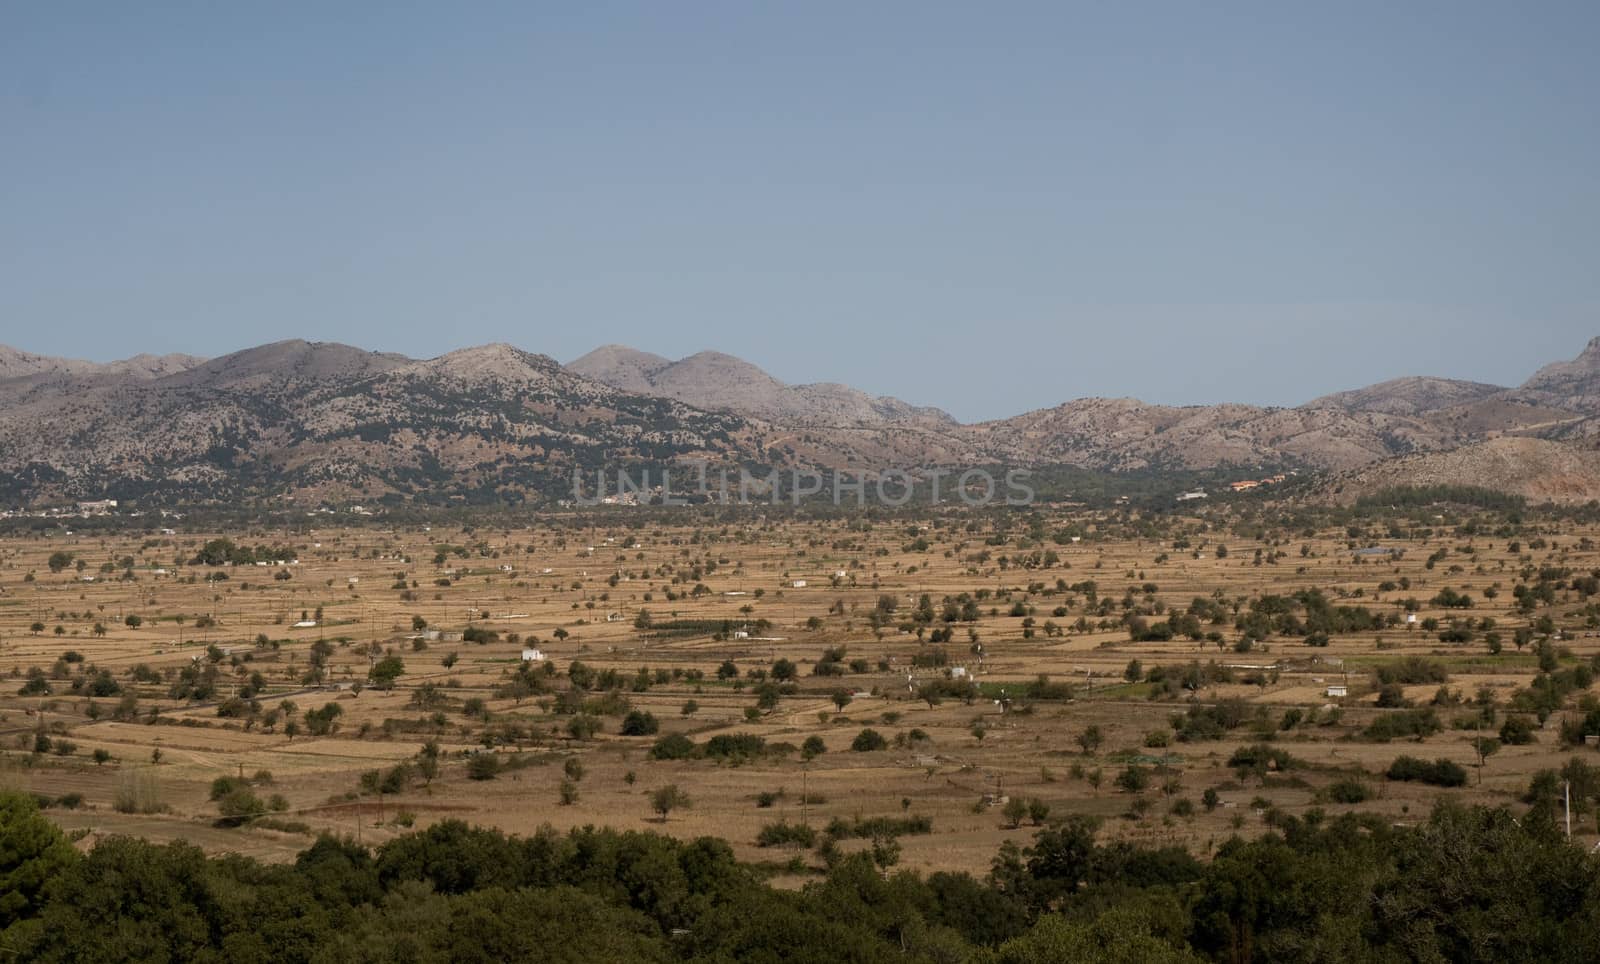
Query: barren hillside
[[1538, 470]]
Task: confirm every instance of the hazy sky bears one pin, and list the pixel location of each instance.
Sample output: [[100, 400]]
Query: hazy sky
[[989, 207]]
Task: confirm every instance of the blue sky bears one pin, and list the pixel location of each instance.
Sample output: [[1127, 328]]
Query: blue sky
[[989, 207]]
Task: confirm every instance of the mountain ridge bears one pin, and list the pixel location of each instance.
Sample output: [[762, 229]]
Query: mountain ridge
[[715, 380], [497, 422]]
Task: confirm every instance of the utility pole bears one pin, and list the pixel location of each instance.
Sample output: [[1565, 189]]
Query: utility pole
[[1566, 799]]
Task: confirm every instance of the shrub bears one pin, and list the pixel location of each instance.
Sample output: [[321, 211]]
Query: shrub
[[1134, 779], [583, 726], [1392, 696], [639, 723], [869, 827], [240, 805], [783, 834], [1439, 773], [734, 746], [1348, 790], [1413, 670], [867, 741], [673, 746], [1403, 723], [1516, 731]]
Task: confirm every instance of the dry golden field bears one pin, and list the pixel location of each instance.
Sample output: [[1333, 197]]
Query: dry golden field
[[576, 592]]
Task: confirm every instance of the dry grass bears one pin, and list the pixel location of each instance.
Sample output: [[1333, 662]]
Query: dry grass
[[556, 584]]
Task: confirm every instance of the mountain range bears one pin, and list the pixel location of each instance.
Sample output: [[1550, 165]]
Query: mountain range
[[494, 423]]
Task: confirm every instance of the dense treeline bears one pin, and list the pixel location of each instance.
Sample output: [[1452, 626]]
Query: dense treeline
[[1465, 885], [1414, 496]]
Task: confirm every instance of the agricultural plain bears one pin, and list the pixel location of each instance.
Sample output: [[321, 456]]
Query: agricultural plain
[[928, 686]]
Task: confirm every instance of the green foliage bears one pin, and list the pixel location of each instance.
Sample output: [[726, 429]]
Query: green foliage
[[1422, 496], [868, 740], [734, 747], [385, 671], [639, 723], [32, 853], [240, 805], [1402, 724], [667, 799], [865, 828], [1516, 731], [1412, 670], [785, 834], [1348, 790], [1439, 773], [1463, 884], [673, 746]]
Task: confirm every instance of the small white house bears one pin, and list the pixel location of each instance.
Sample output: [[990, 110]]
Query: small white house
[[798, 584], [1338, 690], [306, 624], [741, 634], [958, 672], [532, 656]]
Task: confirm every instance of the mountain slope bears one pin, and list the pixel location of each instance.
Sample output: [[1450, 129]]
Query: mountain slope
[[621, 367], [716, 381], [1125, 434], [15, 363], [1537, 469], [496, 423], [1571, 384], [322, 420], [1416, 395]]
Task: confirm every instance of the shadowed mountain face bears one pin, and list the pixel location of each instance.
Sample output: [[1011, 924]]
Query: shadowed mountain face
[[495, 424]]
